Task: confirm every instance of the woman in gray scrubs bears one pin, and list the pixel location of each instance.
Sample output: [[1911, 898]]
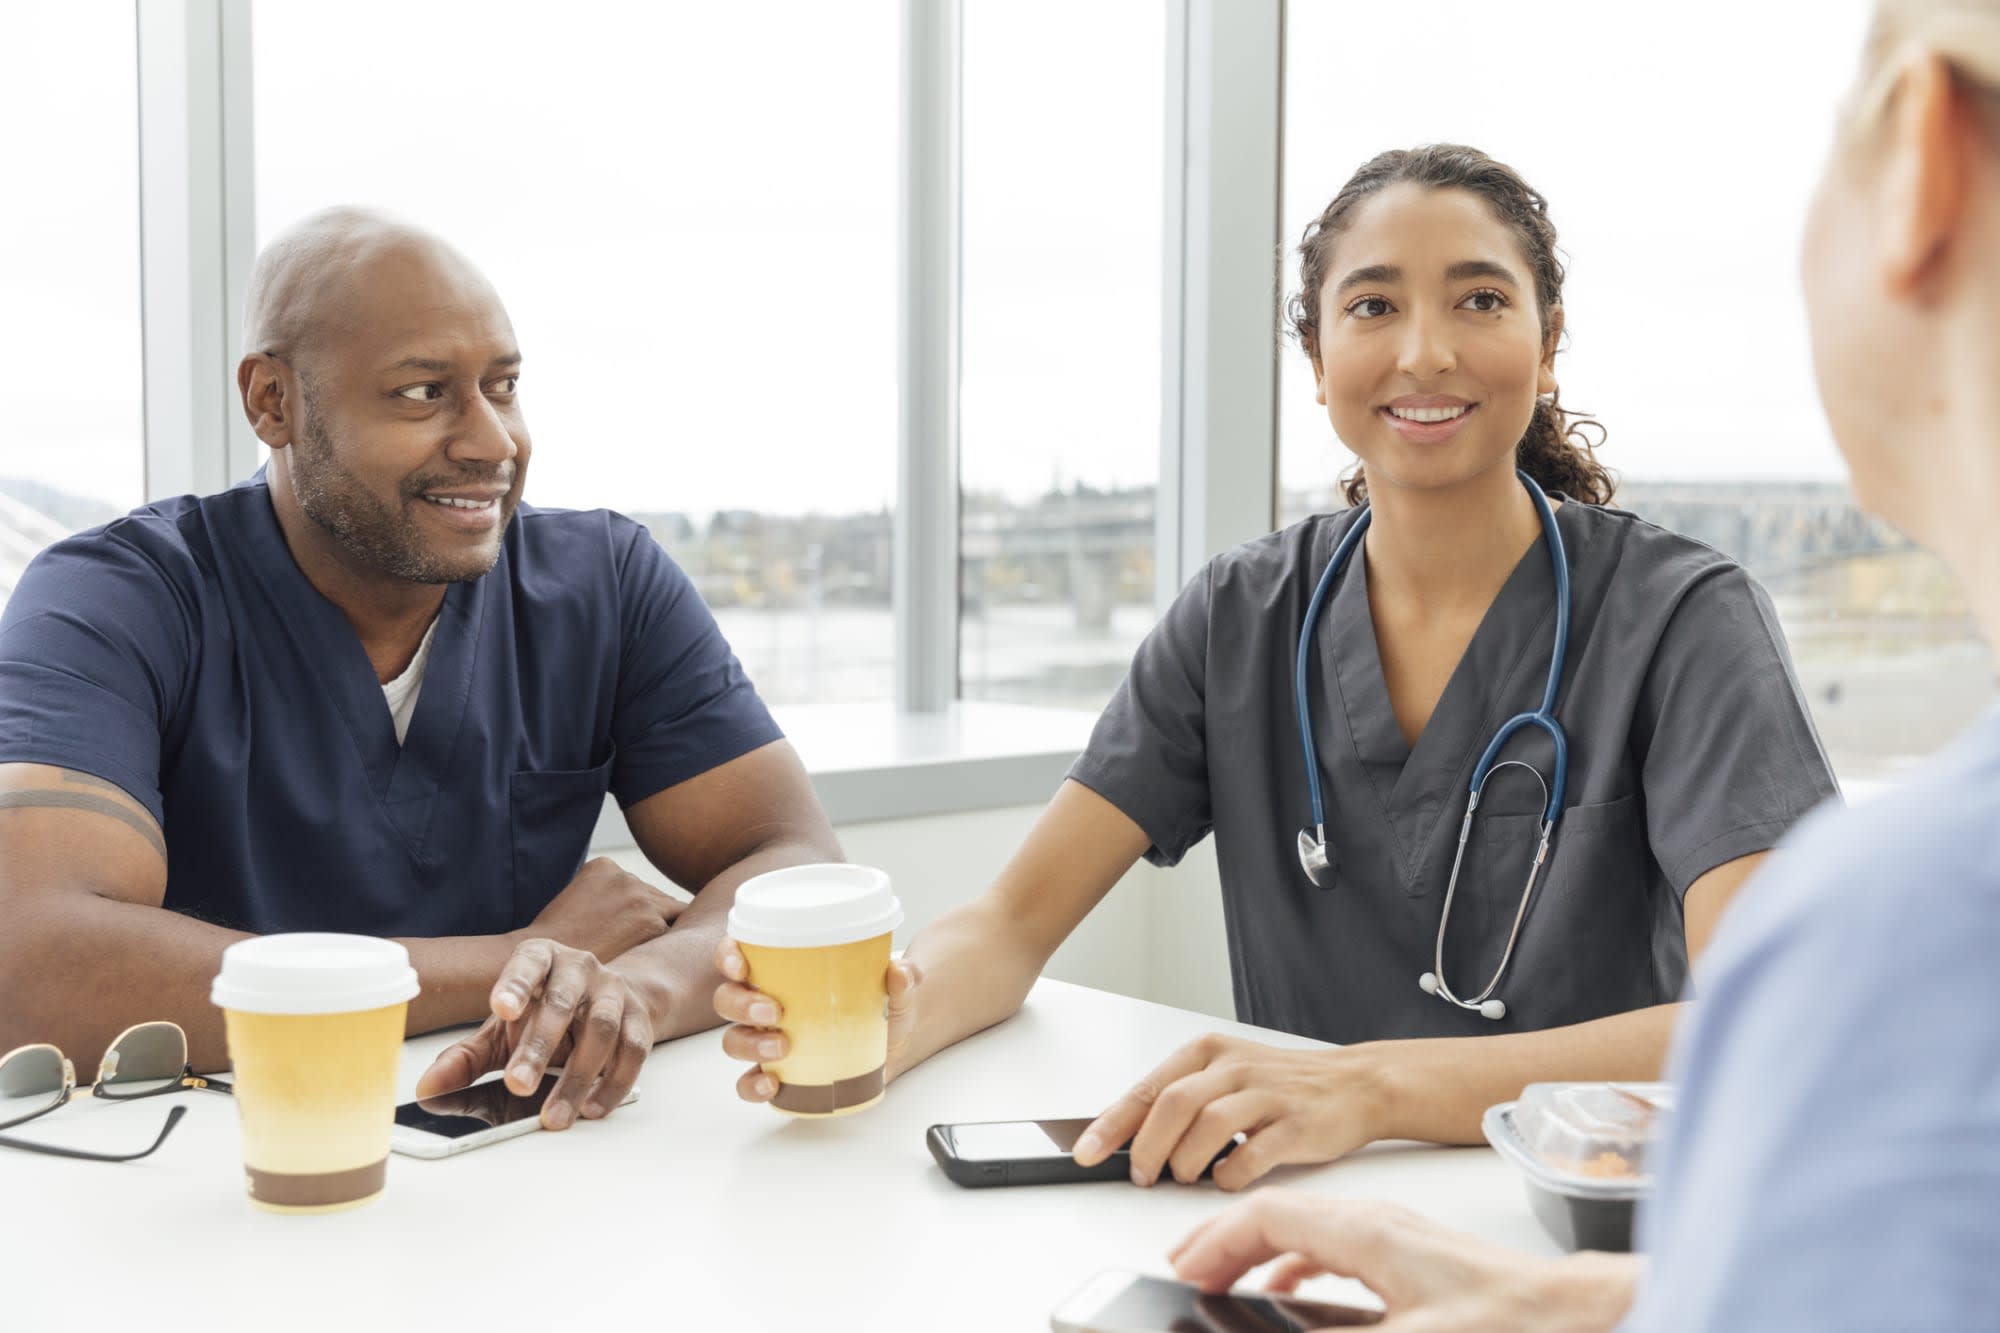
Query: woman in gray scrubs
[[1431, 309]]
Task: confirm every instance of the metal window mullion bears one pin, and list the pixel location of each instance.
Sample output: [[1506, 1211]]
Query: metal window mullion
[[1219, 418], [245, 452], [1167, 563], [196, 230], [927, 500], [1219, 343]]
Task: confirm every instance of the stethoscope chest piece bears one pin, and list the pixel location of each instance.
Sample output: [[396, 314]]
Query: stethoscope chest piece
[[1314, 858]]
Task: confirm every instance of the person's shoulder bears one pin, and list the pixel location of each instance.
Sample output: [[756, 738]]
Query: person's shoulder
[[161, 549], [1277, 559], [572, 548], [575, 536], [1901, 872], [1652, 561], [1935, 832]]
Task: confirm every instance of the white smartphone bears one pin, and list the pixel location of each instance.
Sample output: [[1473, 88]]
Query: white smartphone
[[472, 1117], [1120, 1302]]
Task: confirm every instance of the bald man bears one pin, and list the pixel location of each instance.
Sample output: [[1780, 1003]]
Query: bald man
[[369, 690]]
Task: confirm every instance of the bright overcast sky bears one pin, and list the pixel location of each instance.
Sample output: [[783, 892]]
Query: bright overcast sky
[[691, 212]]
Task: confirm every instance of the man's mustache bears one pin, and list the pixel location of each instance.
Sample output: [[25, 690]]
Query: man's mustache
[[501, 477]]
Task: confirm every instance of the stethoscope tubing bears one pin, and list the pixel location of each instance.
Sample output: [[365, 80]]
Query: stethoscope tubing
[[1489, 760], [1300, 694]]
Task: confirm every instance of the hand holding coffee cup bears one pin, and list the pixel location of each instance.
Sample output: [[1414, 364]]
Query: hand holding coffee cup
[[756, 1036], [812, 987]]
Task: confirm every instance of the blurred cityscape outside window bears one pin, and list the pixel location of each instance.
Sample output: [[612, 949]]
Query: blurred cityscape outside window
[[1064, 105], [1679, 201], [72, 440], [694, 229]]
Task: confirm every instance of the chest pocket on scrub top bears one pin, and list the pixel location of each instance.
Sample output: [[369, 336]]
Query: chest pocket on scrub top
[[1601, 889], [553, 813]]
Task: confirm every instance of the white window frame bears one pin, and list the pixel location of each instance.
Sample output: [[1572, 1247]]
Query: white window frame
[[926, 752]]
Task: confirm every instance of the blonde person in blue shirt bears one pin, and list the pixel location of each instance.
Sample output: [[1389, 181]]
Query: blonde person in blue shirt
[[1835, 1159]]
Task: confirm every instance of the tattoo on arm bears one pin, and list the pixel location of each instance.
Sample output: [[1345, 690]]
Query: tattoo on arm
[[73, 778], [73, 800]]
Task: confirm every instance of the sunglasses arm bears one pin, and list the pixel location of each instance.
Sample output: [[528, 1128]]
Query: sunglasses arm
[[173, 1118]]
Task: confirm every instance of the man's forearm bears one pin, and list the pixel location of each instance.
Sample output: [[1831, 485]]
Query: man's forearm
[[1437, 1089], [457, 973], [80, 973], [676, 973]]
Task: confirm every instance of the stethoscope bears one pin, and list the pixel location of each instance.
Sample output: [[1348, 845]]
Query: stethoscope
[[1313, 852]]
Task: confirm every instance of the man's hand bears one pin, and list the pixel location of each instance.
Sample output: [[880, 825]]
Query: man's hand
[[1431, 1278], [1293, 1106], [555, 1005], [605, 910], [756, 1036]]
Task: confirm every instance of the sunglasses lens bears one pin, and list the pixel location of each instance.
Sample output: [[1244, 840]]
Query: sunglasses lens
[[150, 1057], [31, 1079]]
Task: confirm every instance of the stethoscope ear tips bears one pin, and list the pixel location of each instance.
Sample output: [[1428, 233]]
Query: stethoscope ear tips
[[1493, 1009]]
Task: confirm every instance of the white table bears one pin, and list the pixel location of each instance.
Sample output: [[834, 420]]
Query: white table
[[685, 1210]]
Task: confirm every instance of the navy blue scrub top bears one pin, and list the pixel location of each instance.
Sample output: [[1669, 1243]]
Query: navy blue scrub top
[[180, 653], [1690, 745]]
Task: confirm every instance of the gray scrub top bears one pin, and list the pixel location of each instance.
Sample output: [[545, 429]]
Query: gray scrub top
[[1689, 745]]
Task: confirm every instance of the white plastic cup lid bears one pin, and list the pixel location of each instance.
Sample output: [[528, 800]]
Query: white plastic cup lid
[[311, 973], [808, 907]]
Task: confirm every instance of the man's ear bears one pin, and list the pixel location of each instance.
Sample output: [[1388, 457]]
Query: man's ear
[[1931, 132], [1545, 381], [269, 396]]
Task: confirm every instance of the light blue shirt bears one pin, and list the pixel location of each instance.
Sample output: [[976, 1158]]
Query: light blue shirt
[[1834, 1162]]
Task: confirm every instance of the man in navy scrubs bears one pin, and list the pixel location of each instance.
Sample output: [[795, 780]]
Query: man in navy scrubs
[[368, 690]]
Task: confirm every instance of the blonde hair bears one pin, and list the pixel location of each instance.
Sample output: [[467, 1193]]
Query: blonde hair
[[1965, 34]]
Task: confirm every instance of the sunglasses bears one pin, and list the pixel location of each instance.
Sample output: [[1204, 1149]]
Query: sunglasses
[[145, 1061]]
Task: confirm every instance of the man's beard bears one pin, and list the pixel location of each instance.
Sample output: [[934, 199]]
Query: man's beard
[[374, 533]]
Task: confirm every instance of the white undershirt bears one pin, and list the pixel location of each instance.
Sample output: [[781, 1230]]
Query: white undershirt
[[401, 692]]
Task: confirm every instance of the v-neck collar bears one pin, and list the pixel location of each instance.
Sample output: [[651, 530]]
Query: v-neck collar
[[405, 777], [1416, 784]]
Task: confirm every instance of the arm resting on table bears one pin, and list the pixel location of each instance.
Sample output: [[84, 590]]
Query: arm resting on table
[[88, 949]]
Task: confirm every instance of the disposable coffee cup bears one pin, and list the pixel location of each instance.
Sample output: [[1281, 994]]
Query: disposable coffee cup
[[816, 940], [315, 1026]]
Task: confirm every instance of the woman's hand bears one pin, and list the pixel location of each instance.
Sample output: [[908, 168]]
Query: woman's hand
[[1292, 1106], [1430, 1278], [756, 1037]]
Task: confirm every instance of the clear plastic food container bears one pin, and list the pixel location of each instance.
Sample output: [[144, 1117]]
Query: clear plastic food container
[[1583, 1149]]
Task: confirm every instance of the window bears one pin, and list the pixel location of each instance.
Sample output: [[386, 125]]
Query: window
[[72, 452], [1679, 211], [1060, 386], [691, 214]]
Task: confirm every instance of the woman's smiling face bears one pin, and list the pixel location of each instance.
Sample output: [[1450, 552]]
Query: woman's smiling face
[[1430, 350]]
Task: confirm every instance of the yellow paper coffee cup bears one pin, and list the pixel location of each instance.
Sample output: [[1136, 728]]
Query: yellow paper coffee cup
[[816, 939], [315, 1025]]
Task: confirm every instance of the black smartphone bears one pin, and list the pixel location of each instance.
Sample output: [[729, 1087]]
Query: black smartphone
[[1024, 1152], [449, 1123], [1134, 1303]]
